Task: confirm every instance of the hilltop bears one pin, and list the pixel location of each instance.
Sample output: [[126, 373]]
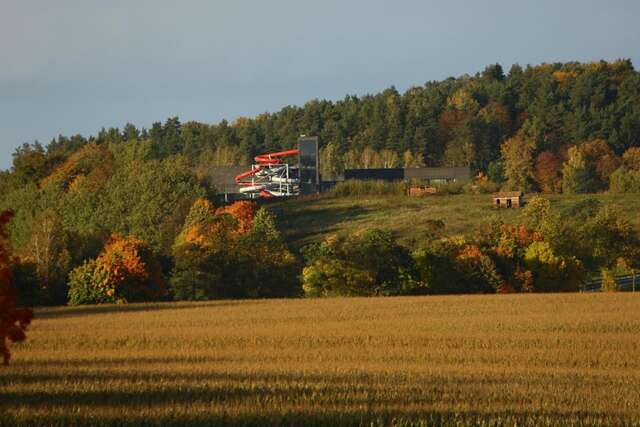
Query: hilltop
[[307, 220]]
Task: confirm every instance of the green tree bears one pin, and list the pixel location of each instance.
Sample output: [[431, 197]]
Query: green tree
[[576, 175], [552, 273], [518, 164], [366, 264], [625, 181]]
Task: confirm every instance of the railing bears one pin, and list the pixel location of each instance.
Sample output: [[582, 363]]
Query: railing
[[628, 283]]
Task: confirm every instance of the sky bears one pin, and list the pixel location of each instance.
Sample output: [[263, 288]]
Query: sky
[[75, 66]]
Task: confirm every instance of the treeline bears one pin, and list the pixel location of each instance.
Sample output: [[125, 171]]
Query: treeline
[[236, 251], [65, 218], [456, 122]]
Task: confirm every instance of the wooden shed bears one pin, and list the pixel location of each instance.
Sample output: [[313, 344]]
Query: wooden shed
[[508, 199], [422, 190]]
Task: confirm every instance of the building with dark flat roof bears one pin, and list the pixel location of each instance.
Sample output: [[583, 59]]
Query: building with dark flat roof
[[434, 175]]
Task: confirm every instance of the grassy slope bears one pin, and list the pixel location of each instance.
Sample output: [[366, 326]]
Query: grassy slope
[[308, 220], [536, 359]]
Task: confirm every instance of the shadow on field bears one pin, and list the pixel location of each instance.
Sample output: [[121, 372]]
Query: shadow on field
[[130, 308], [259, 413], [309, 379], [103, 362], [319, 220], [253, 399]]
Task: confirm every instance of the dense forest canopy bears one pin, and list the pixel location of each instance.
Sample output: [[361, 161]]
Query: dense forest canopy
[[568, 127], [456, 122]]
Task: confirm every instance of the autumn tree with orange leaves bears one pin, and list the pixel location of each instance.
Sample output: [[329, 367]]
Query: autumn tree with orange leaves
[[13, 320], [548, 172], [230, 252], [125, 271], [243, 212]]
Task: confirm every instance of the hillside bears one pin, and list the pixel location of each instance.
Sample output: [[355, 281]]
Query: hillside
[[564, 127], [457, 360], [308, 220]]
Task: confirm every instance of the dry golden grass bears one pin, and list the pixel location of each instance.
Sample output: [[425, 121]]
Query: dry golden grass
[[458, 360]]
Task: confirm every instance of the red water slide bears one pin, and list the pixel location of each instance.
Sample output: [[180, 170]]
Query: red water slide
[[264, 160]]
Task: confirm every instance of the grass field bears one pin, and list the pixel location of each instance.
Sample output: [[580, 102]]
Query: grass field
[[455, 360], [306, 220]]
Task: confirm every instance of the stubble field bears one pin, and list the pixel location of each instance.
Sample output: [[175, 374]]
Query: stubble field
[[454, 360]]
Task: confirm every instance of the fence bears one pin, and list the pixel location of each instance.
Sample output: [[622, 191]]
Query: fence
[[628, 283]]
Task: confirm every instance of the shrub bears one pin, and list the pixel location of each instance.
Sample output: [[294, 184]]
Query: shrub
[[88, 284], [609, 283], [369, 263], [452, 266], [125, 271], [450, 188], [552, 273], [481, 187], [625, 181], [536, 212], [356, 188], [334, 277], [631, 159]]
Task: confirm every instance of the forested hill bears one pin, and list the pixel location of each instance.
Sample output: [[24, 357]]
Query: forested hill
[[454, 122], [562, 127]]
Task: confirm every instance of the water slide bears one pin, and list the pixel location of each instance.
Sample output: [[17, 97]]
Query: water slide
[[269, 177]]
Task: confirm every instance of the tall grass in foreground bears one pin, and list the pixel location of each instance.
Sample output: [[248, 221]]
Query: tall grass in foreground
[[356, 188], [460, 360]]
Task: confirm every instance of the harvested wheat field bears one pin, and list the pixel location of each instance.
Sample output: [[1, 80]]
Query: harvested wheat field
[[455, 360]]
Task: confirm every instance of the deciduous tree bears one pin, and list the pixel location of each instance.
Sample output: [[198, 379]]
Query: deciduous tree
[[548, 172], [518, 164], [125, 271], [13, 320]]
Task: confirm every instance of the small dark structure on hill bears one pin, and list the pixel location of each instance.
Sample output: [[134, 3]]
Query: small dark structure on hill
[[424, 175], [508, 199], [422, 190]]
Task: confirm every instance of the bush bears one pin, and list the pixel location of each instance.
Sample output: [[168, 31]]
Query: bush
[[552, 273], [125, 271], [367, 264], [88, 284], [451, 266], [609, 283], [481, 187], [625, 181], [356, 188], [334, 277], [450, 188]]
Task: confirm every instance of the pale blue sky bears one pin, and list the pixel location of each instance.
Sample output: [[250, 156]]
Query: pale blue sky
[[74, 66]]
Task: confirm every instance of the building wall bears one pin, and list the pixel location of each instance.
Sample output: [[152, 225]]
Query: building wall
[[384, 174], [458, 174], [223, 178]]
